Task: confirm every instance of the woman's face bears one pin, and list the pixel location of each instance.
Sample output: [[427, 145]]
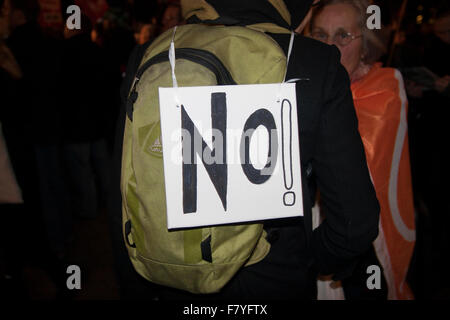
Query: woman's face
[[340, 19]]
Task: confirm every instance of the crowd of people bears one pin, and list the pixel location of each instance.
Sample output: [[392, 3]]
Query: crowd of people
[[60, 102], [61, 105]]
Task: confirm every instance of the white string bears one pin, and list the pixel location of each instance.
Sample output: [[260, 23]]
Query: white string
[[172, 59], [291, 44]]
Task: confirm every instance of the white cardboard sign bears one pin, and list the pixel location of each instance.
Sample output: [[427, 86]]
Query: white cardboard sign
[[231, 154]]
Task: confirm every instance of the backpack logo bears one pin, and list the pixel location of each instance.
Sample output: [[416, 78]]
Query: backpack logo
[[150, 139], [156, 146]]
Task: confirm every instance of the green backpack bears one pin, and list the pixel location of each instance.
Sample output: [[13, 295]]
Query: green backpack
[[198, 260]]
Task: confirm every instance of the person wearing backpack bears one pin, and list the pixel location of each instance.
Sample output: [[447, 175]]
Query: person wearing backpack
[[290, 254]]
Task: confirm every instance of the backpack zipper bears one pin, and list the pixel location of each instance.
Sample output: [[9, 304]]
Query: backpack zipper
[[202, 57]]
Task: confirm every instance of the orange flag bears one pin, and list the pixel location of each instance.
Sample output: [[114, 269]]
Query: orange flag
[[381, 106]]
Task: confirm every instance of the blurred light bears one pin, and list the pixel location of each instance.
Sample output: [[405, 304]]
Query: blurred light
[[419, 19], [420, 8]]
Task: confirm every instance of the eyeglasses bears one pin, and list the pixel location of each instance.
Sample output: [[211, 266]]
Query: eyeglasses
[[340, 38]]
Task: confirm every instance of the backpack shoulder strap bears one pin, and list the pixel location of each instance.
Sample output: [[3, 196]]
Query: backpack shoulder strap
[[133, 65]]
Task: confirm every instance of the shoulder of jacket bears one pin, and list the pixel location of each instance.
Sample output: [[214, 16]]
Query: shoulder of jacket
[[314, 52]]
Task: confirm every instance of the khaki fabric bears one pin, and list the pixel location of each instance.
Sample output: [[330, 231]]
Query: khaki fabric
[[206, 12]]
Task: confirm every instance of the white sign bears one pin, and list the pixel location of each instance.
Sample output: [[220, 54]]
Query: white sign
[[231, 154]]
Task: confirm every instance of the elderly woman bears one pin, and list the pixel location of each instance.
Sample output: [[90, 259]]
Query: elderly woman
[[381, 108]]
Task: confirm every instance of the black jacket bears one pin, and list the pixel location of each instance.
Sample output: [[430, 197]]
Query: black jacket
[[333, 160]]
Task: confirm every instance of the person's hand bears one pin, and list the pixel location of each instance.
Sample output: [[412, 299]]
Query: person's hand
[[441, 84], [9, 63], [413, 89]]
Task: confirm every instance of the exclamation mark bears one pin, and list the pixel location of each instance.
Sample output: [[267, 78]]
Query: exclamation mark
[[286, 153]]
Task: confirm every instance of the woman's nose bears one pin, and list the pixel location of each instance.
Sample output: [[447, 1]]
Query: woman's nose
[[330, 40]]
